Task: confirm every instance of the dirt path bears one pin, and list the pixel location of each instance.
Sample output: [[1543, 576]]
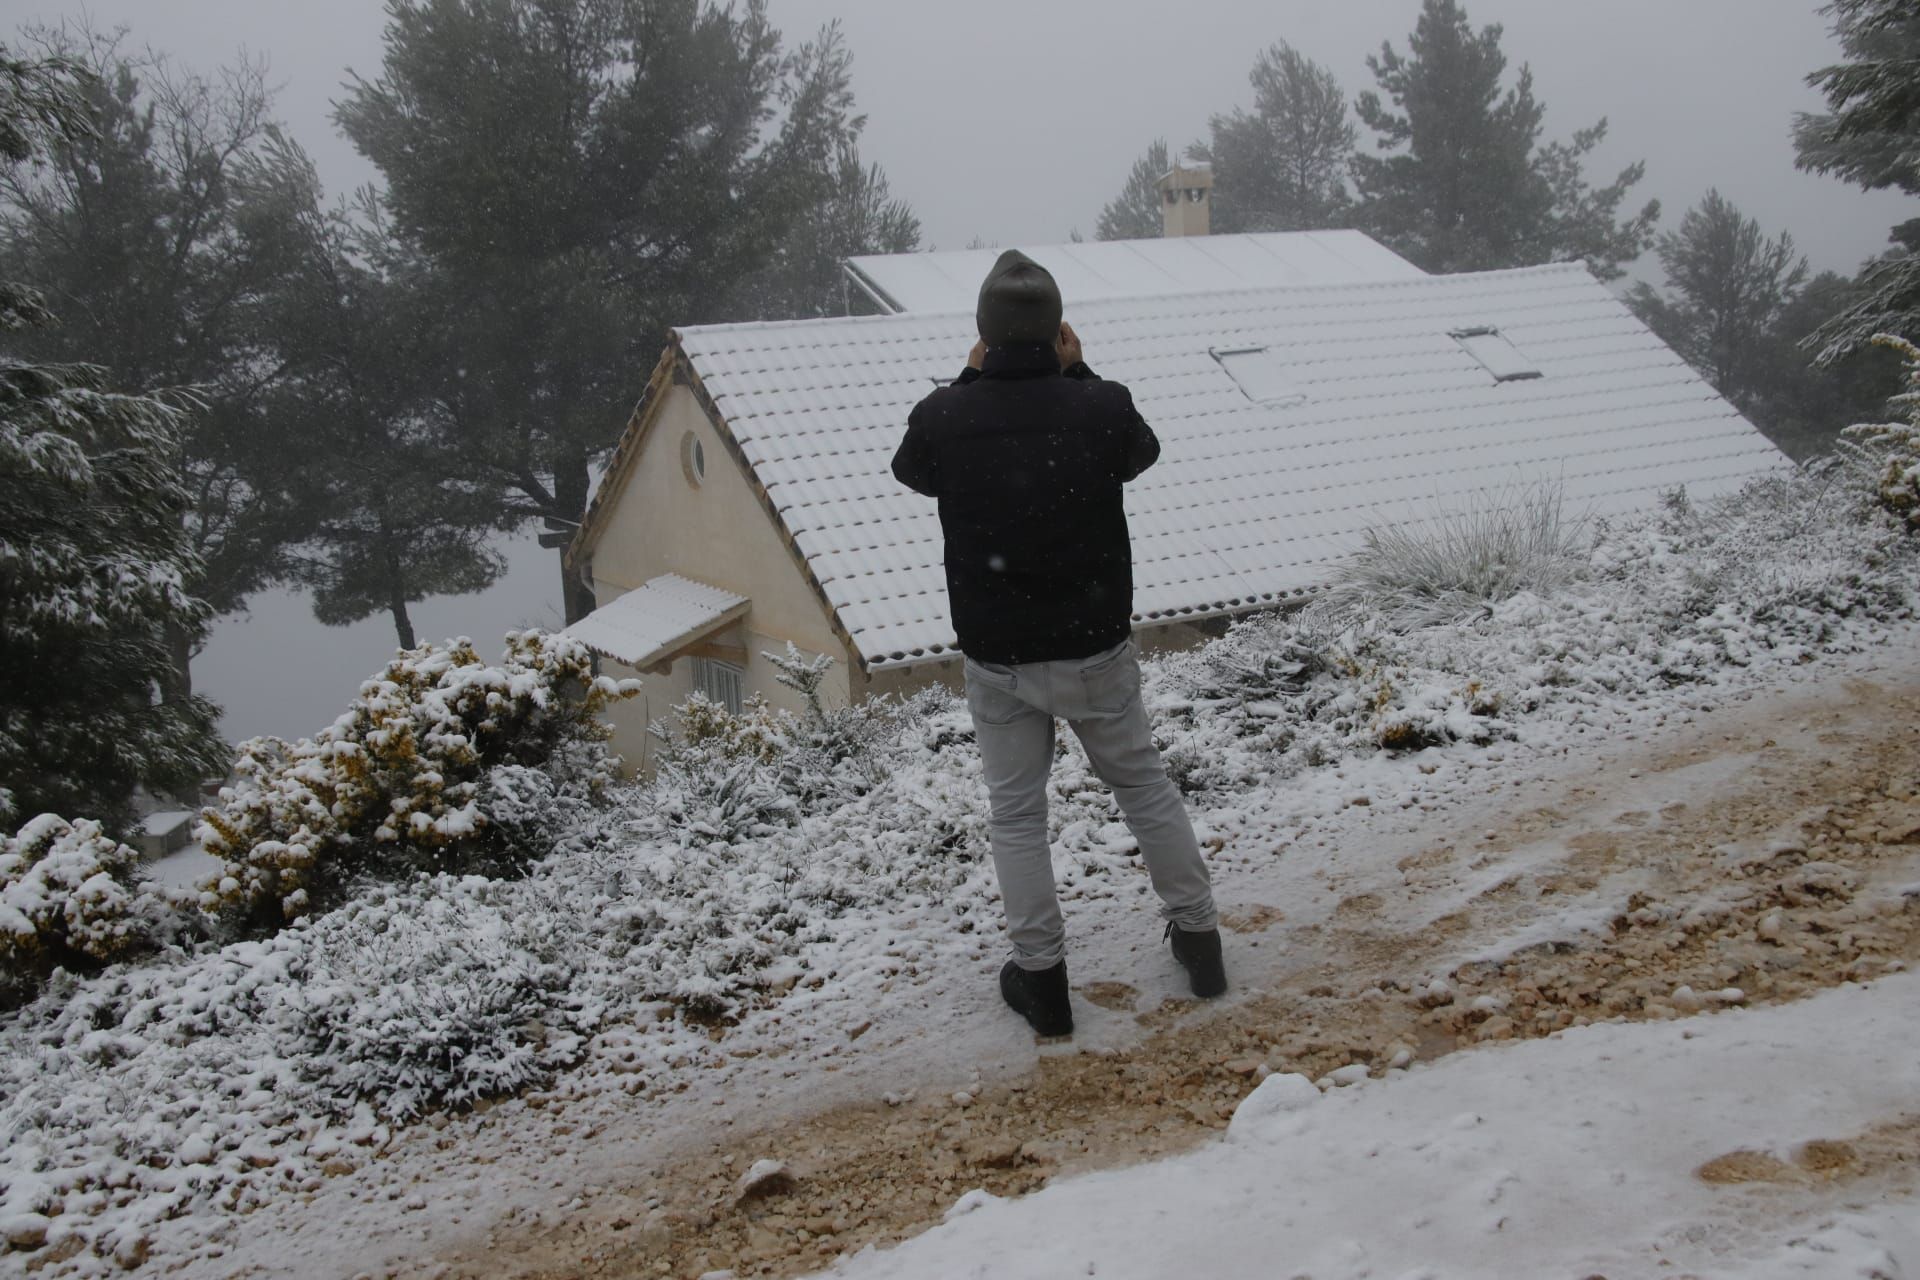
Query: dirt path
[[1769, 855]]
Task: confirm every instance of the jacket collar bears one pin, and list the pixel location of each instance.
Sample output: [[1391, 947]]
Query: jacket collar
[[1020, 360]]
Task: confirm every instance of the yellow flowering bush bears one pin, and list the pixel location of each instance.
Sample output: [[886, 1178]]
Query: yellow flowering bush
[[435, 766]]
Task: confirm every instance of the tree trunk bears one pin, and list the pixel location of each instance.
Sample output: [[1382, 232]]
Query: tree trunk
[[402, 624], [396, 590], [570, 493], [180, 649]]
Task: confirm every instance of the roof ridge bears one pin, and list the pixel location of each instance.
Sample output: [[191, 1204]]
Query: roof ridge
[[1431, 283]]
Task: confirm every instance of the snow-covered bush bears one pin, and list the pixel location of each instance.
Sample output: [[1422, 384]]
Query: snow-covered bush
[[717, 778], [1893, 448], [439, 997], [1283, 692], [68, 897], [1785, 568], [432, 768], [837, 753], [1453, 563], [722, 775]]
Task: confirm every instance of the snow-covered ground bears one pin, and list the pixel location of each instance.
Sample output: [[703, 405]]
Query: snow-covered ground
[[1573, 1156], [249, 1109]]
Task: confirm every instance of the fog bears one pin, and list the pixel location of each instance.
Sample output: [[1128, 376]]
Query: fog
[[1015, 122]]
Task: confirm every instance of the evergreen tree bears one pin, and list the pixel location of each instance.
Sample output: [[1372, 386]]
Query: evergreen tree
[[1463, 184], [157, 249], [1813, 402], [396, 519], [1740, 309], [1869, 137], [577, 175], [1135, 214], [1283, 167], [860, 216], [1732, 284], [94, 560]]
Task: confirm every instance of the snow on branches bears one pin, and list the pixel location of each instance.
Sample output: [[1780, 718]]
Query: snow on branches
[[68, 898], [441, 763], [1893, 448]]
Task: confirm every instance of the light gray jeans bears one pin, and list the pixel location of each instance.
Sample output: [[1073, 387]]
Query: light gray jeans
[[1013, 712]]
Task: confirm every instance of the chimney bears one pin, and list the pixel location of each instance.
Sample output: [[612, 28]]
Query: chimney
[[1186, 200]]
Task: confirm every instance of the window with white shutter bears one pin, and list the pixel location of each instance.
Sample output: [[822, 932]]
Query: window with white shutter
[[722, 682]]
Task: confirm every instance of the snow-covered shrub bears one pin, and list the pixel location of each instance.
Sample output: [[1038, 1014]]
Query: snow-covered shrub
[[1793, 553], [1894, 447], [1453, 563], [404, 780], [837, 753], [68, 897], [724, 775], [432, 997], [1296, 690], [716, 779]]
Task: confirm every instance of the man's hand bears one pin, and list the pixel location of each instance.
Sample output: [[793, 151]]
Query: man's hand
[[978, 356], [1067, 346]]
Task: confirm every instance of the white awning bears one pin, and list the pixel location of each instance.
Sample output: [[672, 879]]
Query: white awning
[[656, 621]]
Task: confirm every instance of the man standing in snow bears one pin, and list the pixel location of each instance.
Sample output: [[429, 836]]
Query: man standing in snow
[[1027, 452]]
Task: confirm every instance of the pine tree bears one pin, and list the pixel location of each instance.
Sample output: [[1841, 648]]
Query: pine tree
[[94, 559], [1732, 284], [578, 175], [1283, 167], [396, 519], [157, 249], [1135, 214], [1463, 184], [1869, 137], [835, 206], [1813, 402], [1740, 310]]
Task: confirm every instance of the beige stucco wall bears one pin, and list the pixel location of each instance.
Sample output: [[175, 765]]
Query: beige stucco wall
[[715, 532]]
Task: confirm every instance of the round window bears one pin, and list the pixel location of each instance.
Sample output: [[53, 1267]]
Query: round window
[[693, 459]]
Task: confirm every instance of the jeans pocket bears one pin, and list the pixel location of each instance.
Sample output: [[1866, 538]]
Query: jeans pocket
[[1112, 681], [990, 694]]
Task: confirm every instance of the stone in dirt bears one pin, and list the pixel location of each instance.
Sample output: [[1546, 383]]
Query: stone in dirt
[[765, 1178], [993, 1153], [26, 1230]]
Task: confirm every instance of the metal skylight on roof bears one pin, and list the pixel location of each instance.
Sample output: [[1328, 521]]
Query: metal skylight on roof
[[1496, 355], [1259, 374]]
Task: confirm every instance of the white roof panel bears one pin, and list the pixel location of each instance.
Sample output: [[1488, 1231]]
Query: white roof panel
[[656, 618], [1249, 502], [1101, 269]]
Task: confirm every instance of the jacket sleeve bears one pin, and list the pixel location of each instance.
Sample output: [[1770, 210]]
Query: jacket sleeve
[[1140, 448], [913, 461]]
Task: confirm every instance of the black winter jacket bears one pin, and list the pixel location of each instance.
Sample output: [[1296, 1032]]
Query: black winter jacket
[[1027, 464]]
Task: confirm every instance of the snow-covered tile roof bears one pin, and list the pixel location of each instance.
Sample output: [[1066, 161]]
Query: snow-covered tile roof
[[656, 618], [1389, 416], [950, 280]]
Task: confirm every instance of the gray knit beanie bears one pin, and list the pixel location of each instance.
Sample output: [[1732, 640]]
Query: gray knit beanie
[[1019, 302]]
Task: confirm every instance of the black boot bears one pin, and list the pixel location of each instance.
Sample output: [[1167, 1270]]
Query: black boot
[[1039, 996], [1199, 955]]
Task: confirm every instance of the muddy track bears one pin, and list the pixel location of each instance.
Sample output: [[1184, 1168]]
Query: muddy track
[[1798, 870]]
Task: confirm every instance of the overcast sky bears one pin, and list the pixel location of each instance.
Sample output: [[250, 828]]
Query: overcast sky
[[1015, 120]]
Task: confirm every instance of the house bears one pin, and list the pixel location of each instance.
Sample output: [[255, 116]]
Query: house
[[749, 503]]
